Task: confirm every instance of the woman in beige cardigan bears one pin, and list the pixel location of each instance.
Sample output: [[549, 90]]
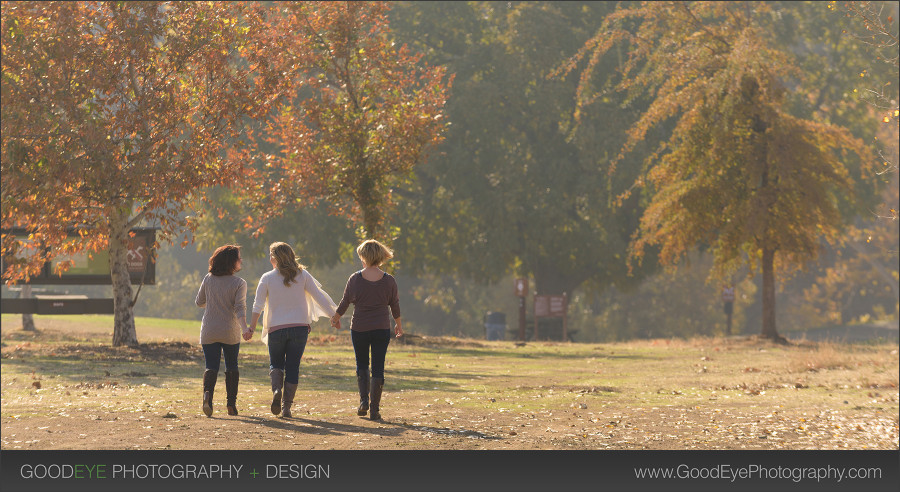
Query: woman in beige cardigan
[[224, 297]]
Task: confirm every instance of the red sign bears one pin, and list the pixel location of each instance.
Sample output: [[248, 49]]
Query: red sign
[[521, 287], [137, 254]]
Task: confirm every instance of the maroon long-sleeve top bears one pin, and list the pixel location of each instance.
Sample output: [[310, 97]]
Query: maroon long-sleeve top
[[375, 302]]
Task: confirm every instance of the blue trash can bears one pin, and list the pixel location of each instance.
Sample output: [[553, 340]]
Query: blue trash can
[[494, 326]]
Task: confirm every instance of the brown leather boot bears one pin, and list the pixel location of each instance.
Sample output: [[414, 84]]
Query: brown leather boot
[[231, 389], [375, 402], [288, 399], [277, 377], [362, 380], [209, 387]]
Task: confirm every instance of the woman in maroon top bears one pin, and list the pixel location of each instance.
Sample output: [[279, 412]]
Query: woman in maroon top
[[374, 296]]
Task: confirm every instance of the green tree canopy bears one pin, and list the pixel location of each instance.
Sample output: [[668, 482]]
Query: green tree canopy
[[514, 187]]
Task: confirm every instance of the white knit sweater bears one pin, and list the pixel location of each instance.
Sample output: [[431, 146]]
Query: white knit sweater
[[301, 303]]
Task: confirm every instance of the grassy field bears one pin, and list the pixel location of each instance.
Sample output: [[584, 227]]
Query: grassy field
[[66, 387]]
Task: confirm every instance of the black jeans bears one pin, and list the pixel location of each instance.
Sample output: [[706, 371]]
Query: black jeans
[[378, 340], [286, 348], [213, 354]]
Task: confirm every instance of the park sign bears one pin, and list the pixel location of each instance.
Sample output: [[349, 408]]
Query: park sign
[[93, 269], [545, 306], [551, 306]]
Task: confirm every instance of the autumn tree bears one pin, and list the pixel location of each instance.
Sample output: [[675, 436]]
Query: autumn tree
[[739, 173], [119, 114], [362, 113]]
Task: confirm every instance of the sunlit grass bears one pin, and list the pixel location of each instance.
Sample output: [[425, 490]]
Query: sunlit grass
[[69, 369]]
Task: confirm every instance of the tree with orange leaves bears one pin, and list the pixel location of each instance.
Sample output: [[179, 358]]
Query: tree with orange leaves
[[359, 114], [119, 114]]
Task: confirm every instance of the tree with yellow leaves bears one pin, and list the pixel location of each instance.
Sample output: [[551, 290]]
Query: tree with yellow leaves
[[738, 172]]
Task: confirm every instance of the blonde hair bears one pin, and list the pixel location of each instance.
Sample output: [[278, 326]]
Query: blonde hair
[[286, 262], [374, 253]]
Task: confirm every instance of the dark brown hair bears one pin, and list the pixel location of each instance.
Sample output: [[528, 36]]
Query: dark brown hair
[[224, 260]]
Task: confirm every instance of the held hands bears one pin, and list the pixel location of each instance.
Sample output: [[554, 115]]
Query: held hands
[[248, 333]]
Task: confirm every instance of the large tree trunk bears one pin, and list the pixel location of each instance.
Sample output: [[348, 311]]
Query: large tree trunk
[[768, 297], [27, 318], [370, 205], [124, 332], [372, 221]]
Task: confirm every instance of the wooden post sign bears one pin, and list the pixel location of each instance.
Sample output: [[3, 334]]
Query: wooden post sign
[[728, 302], [521, 291], [521, 287], [551, 306]]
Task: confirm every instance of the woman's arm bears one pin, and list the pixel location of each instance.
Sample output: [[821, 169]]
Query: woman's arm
[[201, 294], [240, 305], [248, 333], [346, 299], [259, 302], [262, 290], [394, 304]]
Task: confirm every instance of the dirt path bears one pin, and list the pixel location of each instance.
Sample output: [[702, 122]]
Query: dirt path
[[445, 427], [136, 401]]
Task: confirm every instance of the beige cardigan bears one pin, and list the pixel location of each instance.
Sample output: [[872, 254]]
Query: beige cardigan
[[225, 316]]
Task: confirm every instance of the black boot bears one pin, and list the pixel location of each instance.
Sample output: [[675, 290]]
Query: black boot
[[231, 388], [277, 377], [209, 387], [289, 390], [375, 402], [362, 380]]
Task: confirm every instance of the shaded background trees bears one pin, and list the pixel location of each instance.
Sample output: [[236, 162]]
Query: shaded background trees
[[516, 188]]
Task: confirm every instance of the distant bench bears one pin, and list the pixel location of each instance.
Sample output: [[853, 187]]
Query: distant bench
[[57, 304]]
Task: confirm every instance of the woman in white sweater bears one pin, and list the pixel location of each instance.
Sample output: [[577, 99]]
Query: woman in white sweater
[[291, 299]]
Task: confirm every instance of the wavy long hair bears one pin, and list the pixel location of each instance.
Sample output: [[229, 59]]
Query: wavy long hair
[[286, 262]]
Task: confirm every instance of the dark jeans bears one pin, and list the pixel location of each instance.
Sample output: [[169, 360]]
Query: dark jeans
[[378, 340], [285, 350], [213, 353]]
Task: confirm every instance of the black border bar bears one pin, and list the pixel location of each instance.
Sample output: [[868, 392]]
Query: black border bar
[[436, 470]]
